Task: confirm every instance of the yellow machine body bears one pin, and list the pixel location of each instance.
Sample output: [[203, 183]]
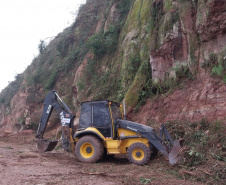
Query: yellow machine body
[[120, 146], [116, 146]]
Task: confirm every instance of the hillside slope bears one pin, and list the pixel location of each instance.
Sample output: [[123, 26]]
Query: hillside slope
[[166, 58]]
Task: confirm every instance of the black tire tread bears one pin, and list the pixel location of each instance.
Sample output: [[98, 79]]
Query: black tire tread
[[98, 149], [142, 146]]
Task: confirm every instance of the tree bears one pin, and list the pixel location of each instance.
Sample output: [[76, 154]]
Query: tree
[[42, 46]]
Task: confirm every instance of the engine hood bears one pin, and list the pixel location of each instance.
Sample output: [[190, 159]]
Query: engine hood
[[133, 126]]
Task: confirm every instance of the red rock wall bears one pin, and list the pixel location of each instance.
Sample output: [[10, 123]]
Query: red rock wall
[[204, 97]]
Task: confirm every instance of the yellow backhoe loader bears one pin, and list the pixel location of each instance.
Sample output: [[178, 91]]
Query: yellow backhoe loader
[[102, 130]]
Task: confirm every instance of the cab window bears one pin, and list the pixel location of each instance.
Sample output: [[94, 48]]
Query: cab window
[[101, 116]]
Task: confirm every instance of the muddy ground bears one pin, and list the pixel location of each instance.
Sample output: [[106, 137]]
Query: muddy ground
[[21, 163]]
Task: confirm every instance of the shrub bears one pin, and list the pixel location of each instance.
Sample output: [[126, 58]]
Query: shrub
[[96, 43], [42, 46], [7, 94], [203, 147], [81, 85], [182, 72], [51, 80], [124, 6], [218, 69], [102, 43], [64, 44]]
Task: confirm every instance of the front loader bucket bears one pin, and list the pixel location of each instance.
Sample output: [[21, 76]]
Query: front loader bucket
[[46, 145], [174, 155]]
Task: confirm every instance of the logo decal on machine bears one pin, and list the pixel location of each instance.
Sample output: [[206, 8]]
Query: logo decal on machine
[[63, 119], [49, 108], [132, 128]]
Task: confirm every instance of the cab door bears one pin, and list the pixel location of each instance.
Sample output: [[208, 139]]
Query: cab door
[[102, 118]]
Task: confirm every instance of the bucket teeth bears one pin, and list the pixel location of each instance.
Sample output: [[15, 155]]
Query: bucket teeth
[[174, 155], [46, 145]]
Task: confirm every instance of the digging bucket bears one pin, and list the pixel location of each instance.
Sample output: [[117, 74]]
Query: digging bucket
[[174, 155], [46, 145]]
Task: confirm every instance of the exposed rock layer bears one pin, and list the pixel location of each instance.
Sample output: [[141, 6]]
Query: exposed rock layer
[[153, 40]]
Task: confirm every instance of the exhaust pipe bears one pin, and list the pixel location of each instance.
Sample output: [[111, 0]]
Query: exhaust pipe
[[124, 109]]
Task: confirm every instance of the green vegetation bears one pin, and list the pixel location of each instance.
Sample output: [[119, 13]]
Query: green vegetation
[[170, 22], [45, 76], [156, 20], [49, 84], [64, 43], [46, 69], [218, 69], [124, 7], [58, 59], [168, 5], [152, 89], [131, 64], [217, 64], [146, 91], [96, 81], [204, 147], [104, 67], [81, 85], [104, 43], [7, 94], [42, 46], [144, 180], [96, 43]]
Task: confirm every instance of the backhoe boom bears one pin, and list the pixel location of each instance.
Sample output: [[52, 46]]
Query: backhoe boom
[[53, 101]]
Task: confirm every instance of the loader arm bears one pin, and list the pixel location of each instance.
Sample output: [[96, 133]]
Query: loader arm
[[53, 101], [163, 142]]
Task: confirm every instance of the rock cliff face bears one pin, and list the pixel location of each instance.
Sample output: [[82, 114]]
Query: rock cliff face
[[167, 58], [198, 34]]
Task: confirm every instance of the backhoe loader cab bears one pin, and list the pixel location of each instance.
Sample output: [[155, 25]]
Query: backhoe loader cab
[[102, 130], [101, 115]]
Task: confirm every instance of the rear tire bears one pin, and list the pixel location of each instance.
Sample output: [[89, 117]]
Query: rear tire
[[89, 149], [138, 153]]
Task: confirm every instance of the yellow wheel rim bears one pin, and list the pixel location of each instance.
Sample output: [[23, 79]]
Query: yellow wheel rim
[[138, 154], [86, 150]]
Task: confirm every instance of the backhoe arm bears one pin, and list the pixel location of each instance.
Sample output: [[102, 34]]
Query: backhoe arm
[[53, 101], [46, 113]]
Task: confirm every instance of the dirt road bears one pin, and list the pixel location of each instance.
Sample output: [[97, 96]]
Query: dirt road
[[21, 163]]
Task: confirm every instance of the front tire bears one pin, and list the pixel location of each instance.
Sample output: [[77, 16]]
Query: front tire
[[138, 153], [89, 149]]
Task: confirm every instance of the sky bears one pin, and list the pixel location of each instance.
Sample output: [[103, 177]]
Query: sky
[[23, 24]]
